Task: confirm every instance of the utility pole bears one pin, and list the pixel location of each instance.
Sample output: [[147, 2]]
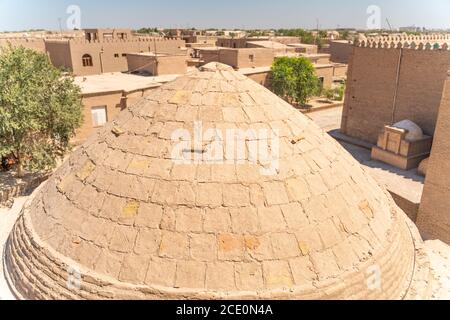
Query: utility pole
[[317, 29], [389, 24], [60, 26]]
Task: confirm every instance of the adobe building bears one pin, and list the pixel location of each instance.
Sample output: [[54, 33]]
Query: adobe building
[[104, 96], [232, 42], [256, 62], [393, 80], [29, 43], [104, 50], [304, 48], [152, 64], [340, 51], [434, 216], [120, 219], [279, 49]]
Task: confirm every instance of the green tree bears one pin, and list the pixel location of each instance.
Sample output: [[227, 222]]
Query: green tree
[[40, 108], [294, 79]]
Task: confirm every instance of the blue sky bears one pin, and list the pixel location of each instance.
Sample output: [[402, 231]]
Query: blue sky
[[28, 14]]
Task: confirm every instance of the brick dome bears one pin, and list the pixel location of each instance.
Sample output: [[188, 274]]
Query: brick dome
[[134, 223]]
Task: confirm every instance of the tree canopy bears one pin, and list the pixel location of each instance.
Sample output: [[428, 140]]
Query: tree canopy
[[40, 109], [294, 79]]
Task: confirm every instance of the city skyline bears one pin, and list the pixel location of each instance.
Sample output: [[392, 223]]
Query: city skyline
[[21, 15]]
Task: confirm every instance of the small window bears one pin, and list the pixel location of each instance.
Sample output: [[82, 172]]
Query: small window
[[116, 55], [87, 60], [124, 54], [251, 57], [99, 117]]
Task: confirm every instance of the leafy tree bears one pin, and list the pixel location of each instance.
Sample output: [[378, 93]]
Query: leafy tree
[[147, 30], [323, 34], [336, 94], [40, 108], [294, 79]]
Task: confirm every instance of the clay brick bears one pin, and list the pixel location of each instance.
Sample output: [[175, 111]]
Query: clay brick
[[316, 184], [325, 264], [230, 247], [134, 269], [244, 220], [294, 215], [309, 240], [184, 172], [302, 270], [236, 195], [217, 220], [345, 256], [123, 239], [147, 242], [149, 215], [109, 263], [185, 194], [256, 195], [203, 247], [161, 272], [284, 246], [329, 234], [174, 245], [220, 276], [190, 274], [275, 193], [277, 274], [189, 220], [165, 192], [209, 195], [249, 276], [259, 247], [271, 219], [297, 189]]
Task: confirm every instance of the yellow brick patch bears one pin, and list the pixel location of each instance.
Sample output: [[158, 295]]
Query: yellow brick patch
[[86, 170], [139, 165], [180, 97], [304, 248], [130, 210]]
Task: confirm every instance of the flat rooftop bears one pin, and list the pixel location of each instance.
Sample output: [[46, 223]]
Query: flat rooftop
[[117, 81], [248, 71], [301, 45], [269, 44], [152, 54]]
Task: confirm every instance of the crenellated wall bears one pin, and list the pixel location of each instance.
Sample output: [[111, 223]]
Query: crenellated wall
[[390, 80]]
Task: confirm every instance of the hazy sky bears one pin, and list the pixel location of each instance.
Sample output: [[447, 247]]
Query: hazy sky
[[44, 14]]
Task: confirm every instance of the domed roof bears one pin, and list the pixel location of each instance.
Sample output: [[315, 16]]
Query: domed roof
[[414, 131], [123, 218]]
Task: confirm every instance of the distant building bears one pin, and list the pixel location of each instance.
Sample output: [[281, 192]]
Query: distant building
[[148, 63], [256, 62], [105, 95], [105, 50], [99, 51]]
